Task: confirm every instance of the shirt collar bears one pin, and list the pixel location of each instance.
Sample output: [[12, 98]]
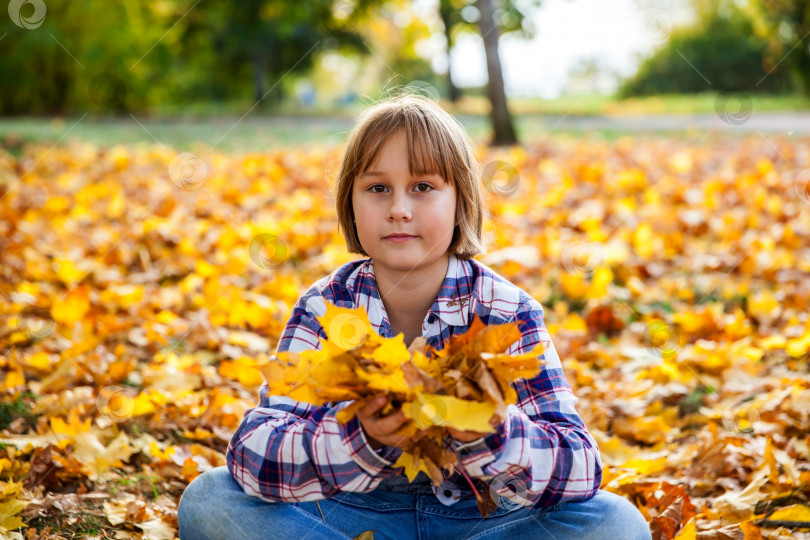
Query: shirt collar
[[451, 305]]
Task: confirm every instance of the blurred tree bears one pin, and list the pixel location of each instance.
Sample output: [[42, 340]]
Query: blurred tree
[[491, 18], [719, 52], [265, 40], [502, 127], [129, 56], [785, 24], [450, 14], [89, 56]]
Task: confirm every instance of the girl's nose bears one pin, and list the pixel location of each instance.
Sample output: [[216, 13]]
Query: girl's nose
[[399, 208]]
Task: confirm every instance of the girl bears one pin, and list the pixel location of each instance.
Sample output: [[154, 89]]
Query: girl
[[409, 198]]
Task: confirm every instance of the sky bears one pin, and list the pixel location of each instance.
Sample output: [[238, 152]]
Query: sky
[[616, 34]]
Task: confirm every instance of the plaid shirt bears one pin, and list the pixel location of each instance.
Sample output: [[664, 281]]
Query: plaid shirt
[[285, 450]]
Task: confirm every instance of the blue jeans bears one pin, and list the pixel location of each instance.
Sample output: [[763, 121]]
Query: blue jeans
[[214, 506]]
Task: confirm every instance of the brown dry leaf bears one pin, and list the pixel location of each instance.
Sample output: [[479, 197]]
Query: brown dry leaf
[[675, 509], [740, 505], [157, 529]]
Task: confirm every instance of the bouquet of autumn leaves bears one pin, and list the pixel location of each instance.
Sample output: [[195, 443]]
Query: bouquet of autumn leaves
[[465, 386]]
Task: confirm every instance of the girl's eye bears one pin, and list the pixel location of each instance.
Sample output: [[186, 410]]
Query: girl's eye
[[422, 184]]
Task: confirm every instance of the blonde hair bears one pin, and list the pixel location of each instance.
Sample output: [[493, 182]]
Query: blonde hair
[[437, 143]]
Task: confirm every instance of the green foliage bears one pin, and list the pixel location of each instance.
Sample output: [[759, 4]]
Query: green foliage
[[84, 56], [719, 53], [785, 24], [115, 57], [10, 410]]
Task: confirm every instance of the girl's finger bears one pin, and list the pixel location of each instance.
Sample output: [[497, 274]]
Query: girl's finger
[[418, 436], [373, 406], [392, 422]]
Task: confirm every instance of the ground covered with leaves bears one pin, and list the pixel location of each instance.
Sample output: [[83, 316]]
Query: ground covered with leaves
[[140, 288]]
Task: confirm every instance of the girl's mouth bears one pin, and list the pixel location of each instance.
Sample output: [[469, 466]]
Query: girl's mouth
[[399, 239]]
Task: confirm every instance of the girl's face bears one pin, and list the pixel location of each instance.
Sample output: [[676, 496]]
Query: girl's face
[[388, 200]]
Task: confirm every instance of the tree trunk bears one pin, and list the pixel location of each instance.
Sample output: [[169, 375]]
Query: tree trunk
[[504, 132], [445, 11], [259, 67]]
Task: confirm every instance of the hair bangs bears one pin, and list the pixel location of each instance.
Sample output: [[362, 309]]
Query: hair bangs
[[424, 155]]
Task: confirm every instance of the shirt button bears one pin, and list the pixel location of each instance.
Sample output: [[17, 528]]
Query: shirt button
[[431, 318]]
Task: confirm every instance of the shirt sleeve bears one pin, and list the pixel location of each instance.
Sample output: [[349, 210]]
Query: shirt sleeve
[[289, 451], [541, 454]]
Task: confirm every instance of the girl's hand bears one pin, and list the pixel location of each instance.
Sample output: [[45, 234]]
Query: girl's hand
[[465, 436], [382, 430]]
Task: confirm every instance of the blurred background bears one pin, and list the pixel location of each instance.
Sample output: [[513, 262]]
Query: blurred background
[[512, 70]]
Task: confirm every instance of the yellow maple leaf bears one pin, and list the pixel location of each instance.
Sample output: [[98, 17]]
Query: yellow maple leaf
[[794, 512], [348, 328], [243, 369], [411, 465], [8, 518], [393, 381], [40, 361], [688, 532], [72, 307], [447, 411], [391, 353], [72, 427]]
